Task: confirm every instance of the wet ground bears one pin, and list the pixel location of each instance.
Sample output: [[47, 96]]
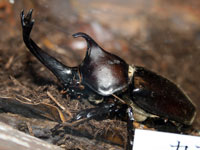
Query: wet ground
[[161, 36]]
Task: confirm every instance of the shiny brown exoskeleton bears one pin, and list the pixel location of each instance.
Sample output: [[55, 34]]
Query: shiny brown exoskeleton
[[136, 91]]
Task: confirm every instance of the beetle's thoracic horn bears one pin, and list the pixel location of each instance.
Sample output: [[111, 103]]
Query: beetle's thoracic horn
[[102, 71], [90, 43], [89, 40]]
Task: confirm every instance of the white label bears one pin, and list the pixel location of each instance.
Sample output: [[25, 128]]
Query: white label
[[154, 140]]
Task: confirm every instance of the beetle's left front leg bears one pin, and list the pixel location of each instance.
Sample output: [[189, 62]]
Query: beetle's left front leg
[[130, 129]]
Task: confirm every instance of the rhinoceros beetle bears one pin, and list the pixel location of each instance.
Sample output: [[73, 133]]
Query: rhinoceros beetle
[[136, 91]]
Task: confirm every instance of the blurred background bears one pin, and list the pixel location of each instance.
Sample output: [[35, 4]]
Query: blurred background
[[163, 36]]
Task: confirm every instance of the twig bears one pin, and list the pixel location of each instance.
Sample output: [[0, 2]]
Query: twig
[[8, 64], [25, 98], [16, 82], [29, 128], [60, 105], [121, 100]]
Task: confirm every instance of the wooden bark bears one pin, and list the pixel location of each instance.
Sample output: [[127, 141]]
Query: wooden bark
[[11, 139]]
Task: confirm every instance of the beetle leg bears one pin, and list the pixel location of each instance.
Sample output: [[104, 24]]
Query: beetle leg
[[64, 74], [130, 129], [102, 112], [95, 113]]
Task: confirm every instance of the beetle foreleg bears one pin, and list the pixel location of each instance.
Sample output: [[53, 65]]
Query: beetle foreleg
[[102, 112], [130, 129]]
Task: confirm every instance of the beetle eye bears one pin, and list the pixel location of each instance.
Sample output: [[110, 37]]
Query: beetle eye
[[104, 72]]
